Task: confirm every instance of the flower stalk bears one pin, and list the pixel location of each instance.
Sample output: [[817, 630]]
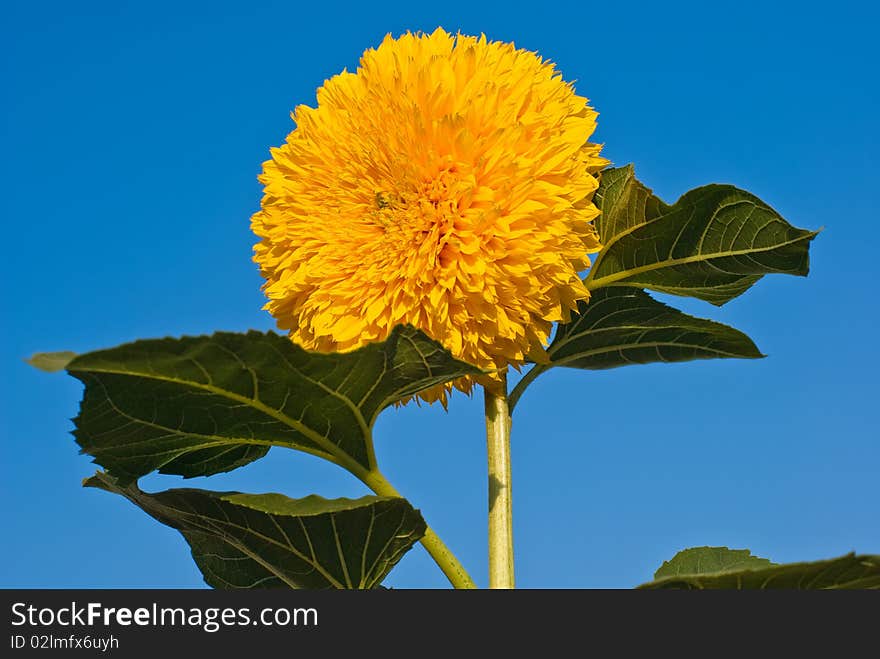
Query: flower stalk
[[500, 501]]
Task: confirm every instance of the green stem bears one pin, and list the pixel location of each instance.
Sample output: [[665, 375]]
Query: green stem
[[500, 501], [526, 380], [444, 558]]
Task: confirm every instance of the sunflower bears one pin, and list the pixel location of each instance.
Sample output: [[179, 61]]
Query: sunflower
[[448, 184]]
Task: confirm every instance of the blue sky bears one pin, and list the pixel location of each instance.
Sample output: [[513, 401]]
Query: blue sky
[[132, 135]]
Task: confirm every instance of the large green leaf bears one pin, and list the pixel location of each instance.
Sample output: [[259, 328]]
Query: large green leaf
[[721, 568], [712, 244], [621, 326], [201, 405], [272, 541]]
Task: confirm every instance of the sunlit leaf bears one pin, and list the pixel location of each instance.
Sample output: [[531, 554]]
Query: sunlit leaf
[[722, 568], [712, 244], [51, 361]]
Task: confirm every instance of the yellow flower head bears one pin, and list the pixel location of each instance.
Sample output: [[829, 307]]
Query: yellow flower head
[[446, 184]]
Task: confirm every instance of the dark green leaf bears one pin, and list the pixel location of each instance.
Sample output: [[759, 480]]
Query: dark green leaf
[[201, 405], [746, 572], [51, 361], [272, 541], [712, 244], [706, 560], [621, 326]]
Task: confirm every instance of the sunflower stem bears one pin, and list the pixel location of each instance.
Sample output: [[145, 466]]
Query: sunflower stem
[[445, 559], [500, 502]]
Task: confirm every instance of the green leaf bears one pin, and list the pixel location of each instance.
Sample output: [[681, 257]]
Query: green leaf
[[201, 405], [272, 541], [620, 326], [706, 560], [722, 568], [712, 244], [51, 361]]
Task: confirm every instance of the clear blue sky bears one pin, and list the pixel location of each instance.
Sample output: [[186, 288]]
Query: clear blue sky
[[132, 135]]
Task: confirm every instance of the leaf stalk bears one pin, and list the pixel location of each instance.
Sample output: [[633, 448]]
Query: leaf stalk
[[445, 559]]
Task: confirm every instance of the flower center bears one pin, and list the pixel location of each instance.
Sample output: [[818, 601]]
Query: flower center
[[421, 215], [441, 187]]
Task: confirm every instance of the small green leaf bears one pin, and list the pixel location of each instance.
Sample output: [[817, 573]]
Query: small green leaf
[[621, 326], [201, 405], [706, 560], [722, 568], [242, 541], [51, 361], [712, 244]]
